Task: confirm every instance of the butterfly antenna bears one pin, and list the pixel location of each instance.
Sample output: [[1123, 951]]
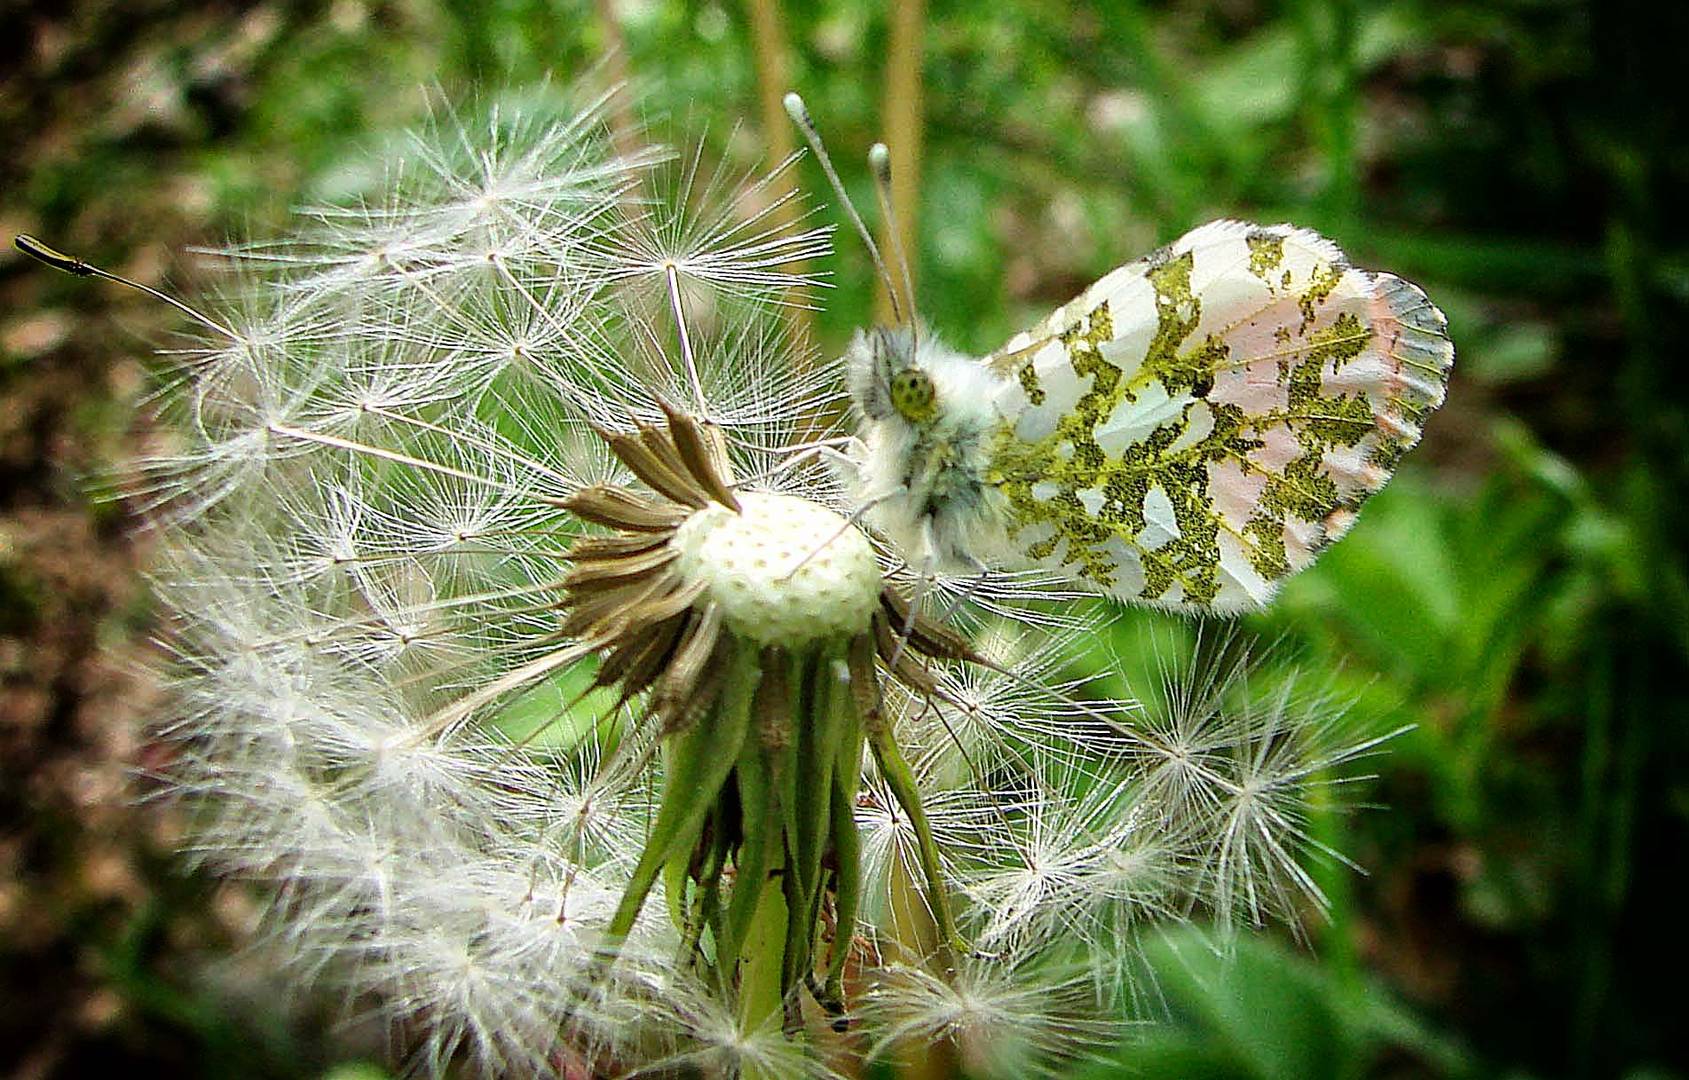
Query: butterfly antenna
[[879, 163], [70, 264], [799, 112]]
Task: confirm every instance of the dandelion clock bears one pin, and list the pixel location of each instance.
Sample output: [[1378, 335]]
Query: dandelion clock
[[605, 681]]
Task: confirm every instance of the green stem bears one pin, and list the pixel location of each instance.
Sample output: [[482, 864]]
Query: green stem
[[701, 759], [847, 877], [791, 893], [784, 779], [826, 716], [705, 907], [901, 779], [761, 958], [759, 822]]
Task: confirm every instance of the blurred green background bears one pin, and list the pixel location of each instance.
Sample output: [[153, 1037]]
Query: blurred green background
[[1519, 592]]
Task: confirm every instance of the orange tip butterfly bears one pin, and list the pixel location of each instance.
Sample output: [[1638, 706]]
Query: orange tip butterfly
[[1187, 433]]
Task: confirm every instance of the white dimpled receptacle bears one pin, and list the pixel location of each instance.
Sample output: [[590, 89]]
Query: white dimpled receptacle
[[785, 571]]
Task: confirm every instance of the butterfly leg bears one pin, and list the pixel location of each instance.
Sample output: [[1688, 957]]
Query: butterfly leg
[[969, 590], [825, 449], [926, 575], [849, 523]]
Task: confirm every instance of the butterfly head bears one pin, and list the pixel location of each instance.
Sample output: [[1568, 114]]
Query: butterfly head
[[886, 380], [913, 396]]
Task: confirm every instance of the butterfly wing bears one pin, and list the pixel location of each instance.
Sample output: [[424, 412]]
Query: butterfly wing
[[1197, 425]]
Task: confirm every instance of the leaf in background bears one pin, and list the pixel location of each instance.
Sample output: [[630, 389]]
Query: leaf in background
[[1257, 1011]]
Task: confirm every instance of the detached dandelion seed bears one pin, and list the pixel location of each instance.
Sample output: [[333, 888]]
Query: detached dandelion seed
[[548, 650]]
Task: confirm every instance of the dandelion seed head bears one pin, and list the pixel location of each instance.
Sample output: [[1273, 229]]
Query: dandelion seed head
[[488, 447]]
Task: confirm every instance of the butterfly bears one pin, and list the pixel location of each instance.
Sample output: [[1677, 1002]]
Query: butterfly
[[1187, 433]]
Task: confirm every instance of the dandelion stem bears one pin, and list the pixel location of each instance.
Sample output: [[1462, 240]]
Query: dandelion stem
[[760, 994], [705, 906], [810, 782], [831, 722], [760, 818]]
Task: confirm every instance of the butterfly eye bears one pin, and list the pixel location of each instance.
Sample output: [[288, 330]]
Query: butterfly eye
[[913, 395]]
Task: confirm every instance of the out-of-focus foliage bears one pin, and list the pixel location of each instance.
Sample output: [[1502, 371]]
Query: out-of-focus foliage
[[1265, 1013], [1519, 593]]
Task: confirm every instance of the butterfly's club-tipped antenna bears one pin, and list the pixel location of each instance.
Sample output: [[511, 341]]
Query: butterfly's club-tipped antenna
[[799, 112], [879, 163], [70, 264]]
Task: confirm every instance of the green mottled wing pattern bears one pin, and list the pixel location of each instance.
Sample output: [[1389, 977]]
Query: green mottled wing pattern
[[1198, 425]]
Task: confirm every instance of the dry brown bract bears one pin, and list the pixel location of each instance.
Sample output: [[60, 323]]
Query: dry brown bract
[[659, 632]]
